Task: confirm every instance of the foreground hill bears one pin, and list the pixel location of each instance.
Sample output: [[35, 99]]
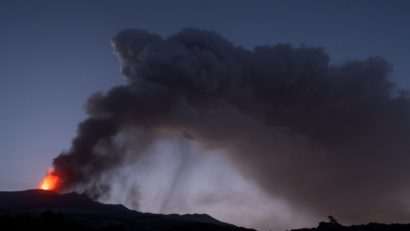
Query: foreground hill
[[333, 225], [45, 210]]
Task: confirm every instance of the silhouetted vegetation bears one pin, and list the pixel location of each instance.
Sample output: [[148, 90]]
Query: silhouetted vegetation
[[53, 221], [333, 225]]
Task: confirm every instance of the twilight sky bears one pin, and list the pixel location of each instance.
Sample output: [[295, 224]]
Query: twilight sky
[[54, 54]]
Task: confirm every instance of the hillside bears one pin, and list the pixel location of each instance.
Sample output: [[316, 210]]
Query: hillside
[[45, 210], [333, 225]]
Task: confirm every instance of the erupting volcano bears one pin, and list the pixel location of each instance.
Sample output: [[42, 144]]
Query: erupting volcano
[[50, 182], [314, 135]]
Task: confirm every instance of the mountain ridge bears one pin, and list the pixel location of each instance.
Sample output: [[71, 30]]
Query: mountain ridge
[[80, 207]]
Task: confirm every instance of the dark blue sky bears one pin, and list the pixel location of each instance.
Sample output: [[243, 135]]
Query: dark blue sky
[[53, 54]]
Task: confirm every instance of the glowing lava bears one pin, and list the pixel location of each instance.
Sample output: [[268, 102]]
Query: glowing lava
[[50, 182]]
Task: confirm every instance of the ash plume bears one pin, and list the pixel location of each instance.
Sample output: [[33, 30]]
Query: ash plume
[[328, 139]]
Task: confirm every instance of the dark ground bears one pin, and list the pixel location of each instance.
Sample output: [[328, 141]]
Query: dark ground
[[48, 211], [333, 225]]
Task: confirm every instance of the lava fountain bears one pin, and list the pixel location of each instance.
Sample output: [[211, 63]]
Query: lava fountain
[[50, 182]]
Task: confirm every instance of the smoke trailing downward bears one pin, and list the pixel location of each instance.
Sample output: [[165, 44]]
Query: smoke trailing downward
[[325, 138]]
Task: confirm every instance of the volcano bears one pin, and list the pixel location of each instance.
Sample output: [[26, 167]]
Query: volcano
[[46, 210]]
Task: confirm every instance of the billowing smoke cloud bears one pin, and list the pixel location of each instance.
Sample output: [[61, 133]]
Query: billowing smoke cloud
[[324, 138]]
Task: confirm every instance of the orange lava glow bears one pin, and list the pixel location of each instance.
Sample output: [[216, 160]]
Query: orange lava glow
[[50, 182]]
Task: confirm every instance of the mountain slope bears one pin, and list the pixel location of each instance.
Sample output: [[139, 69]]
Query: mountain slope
[[73, 207]]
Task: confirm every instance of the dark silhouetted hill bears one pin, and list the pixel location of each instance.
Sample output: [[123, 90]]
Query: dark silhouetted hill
[[41, 210], [45, 210], [333, 225]]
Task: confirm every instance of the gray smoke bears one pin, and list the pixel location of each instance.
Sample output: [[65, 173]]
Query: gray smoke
[[326, 139]]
